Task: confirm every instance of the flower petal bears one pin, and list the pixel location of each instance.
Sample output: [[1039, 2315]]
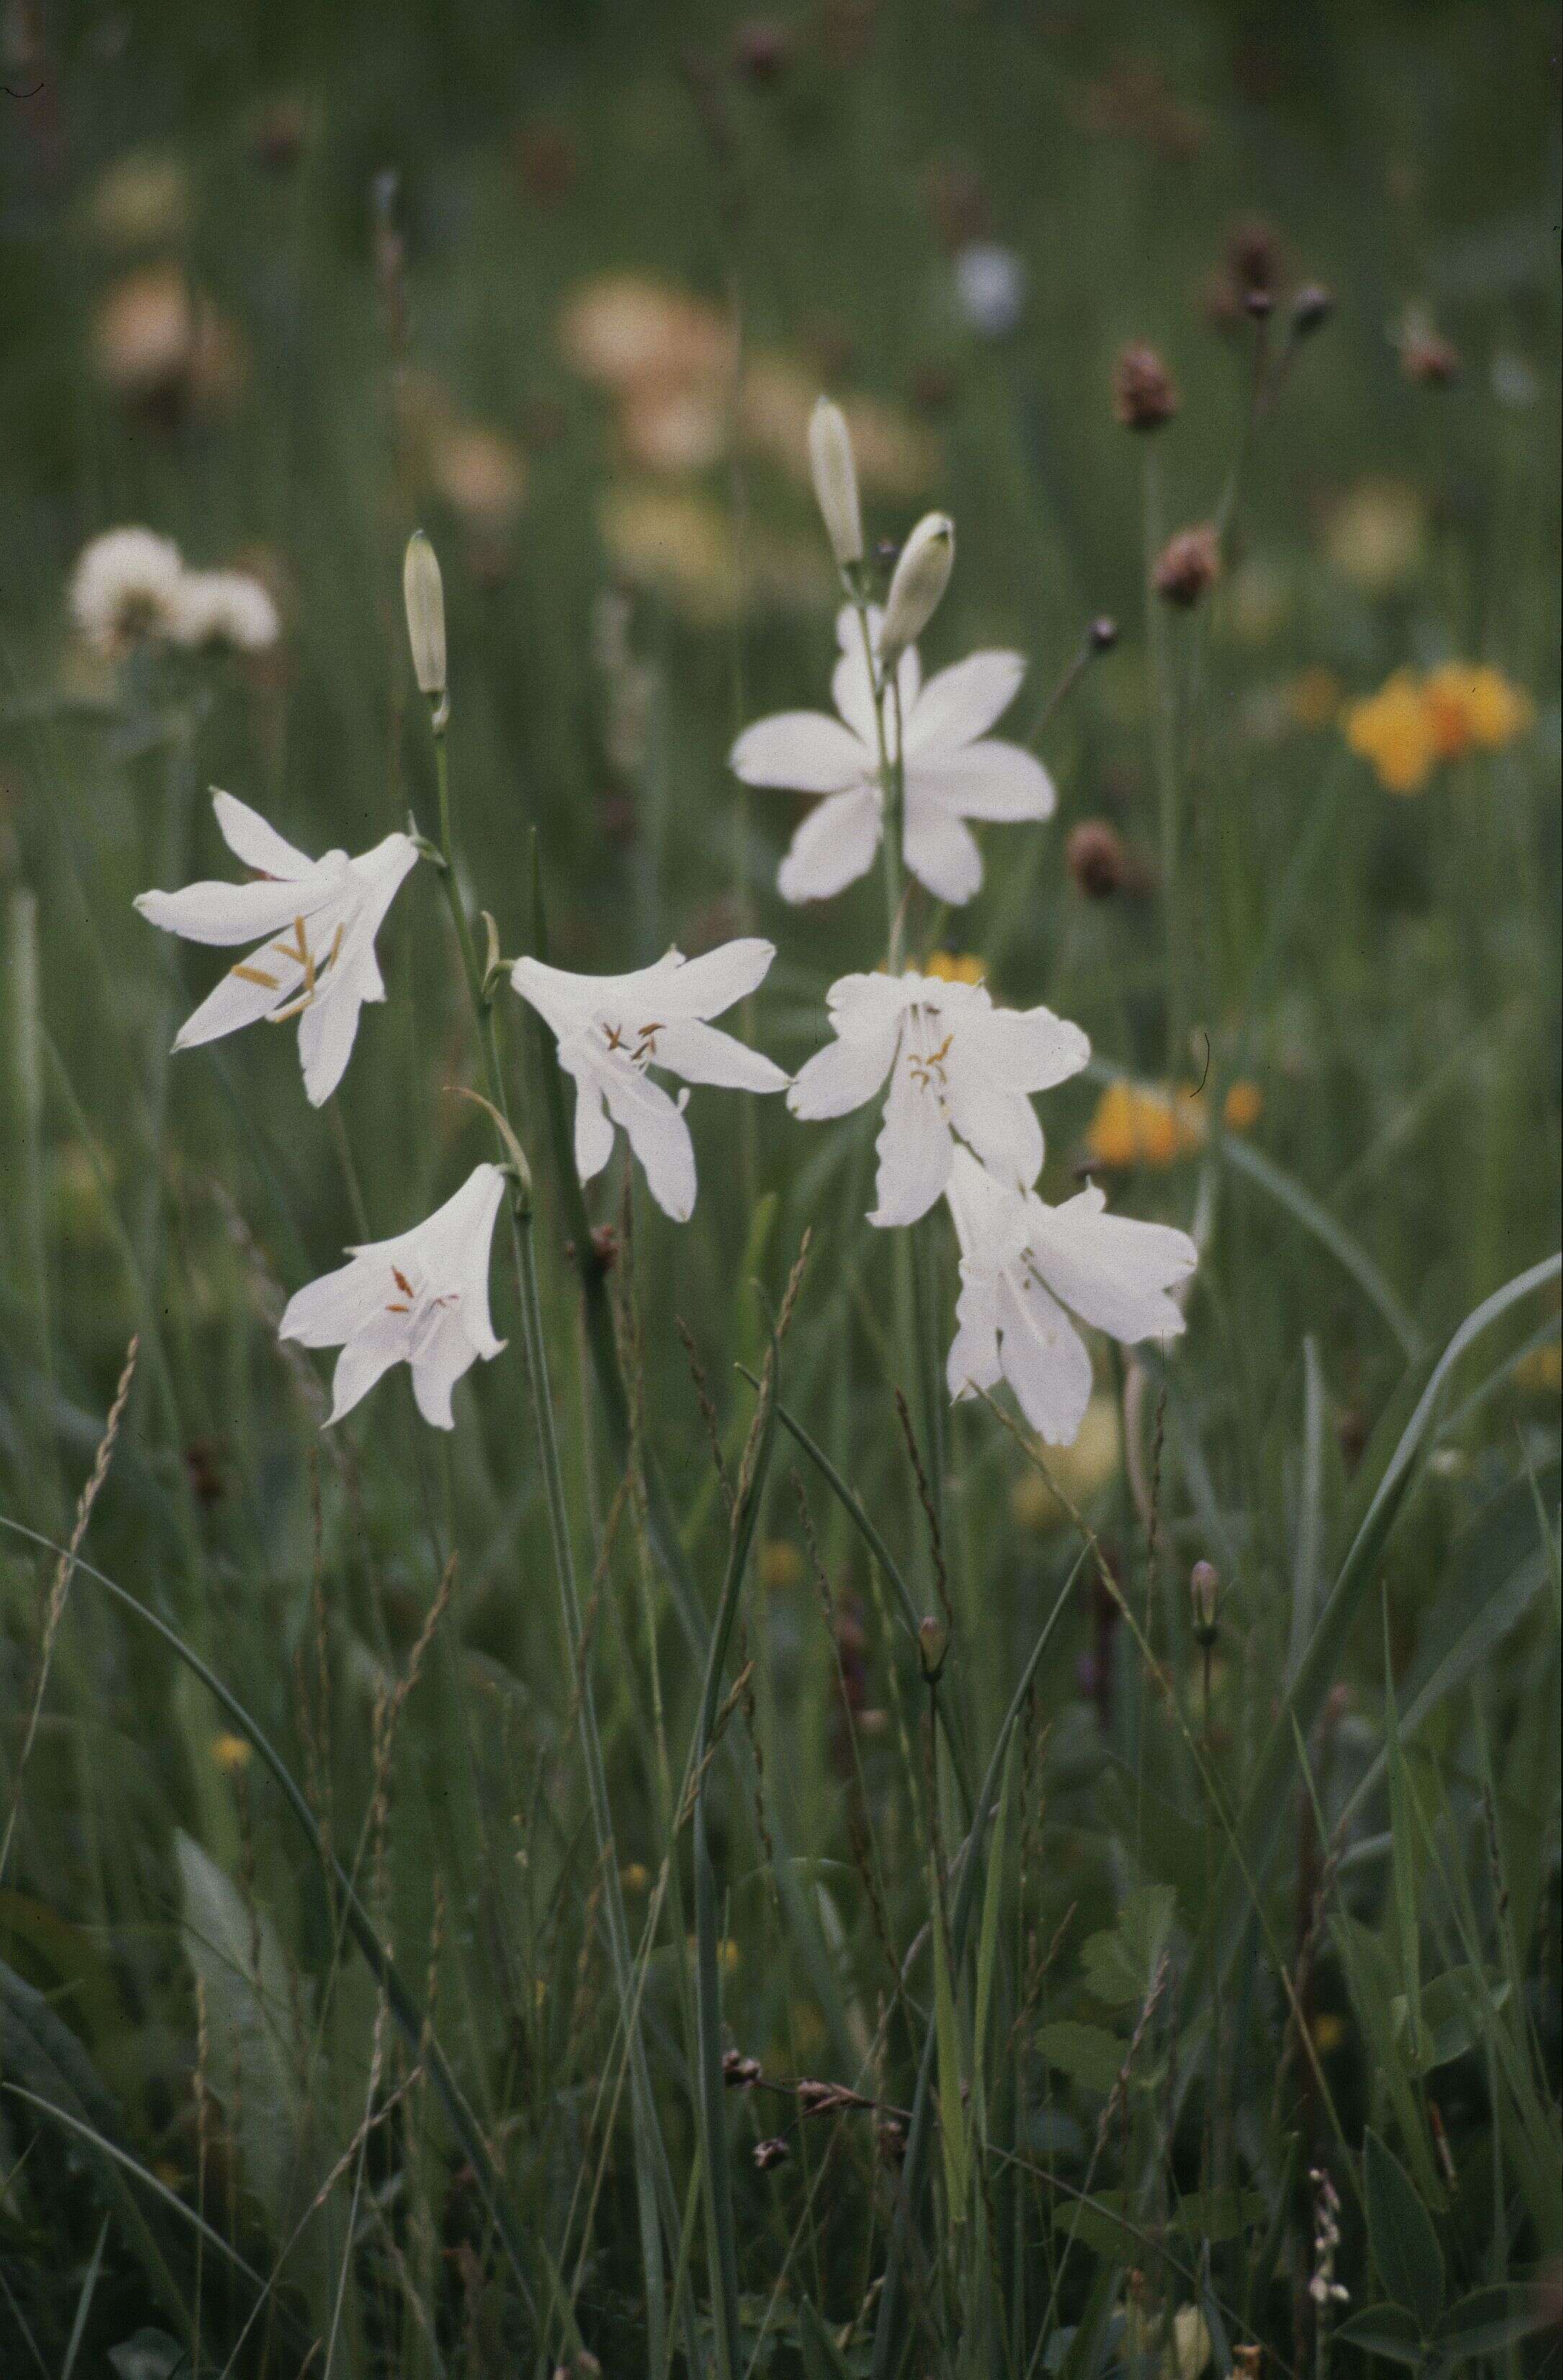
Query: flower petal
[[1113, 1271], [594, 1133], [1033, 1049], [327, 1030], [325, 1312], [913, 1149], [213, 911], [834, 845], [240, 999], [380, 874], [704, 987], [961, 703], [989, 1215], [251, 839], [701, 1053], [993, 1113], [939, 852], [848, 1071], [439, 1365], [367, 1356], [483, 1191], [1044, 1359], [974, 1352], [658, 1134], [803, 752], [991, 780]]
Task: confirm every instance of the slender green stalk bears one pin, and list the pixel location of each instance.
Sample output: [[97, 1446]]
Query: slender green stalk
[[1164, 733]]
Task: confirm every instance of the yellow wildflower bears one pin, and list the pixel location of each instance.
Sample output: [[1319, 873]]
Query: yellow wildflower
[[781, 1564], [1135, 1125], [957, 966], [635, 1875], [231, 1754], [1394, 731], [1242, 1106], [1330, 2031], [1472, 706]]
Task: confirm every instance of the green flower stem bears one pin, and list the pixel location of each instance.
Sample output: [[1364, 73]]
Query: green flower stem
[[648, 2178]]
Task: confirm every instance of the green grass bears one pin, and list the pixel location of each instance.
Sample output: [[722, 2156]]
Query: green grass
[[396, 1836]]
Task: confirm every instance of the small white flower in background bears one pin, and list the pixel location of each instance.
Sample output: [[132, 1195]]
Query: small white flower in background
[[421, 1299], [957, 1066], [124, 591], [225, 607], [611, 1028], [990, 286], [321, 915], [1023, 1262], [954, 770]]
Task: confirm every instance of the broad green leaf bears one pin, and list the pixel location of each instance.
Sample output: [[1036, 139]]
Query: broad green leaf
[[1084, 2052], [1120, 1964], [1489, 2319], [1387, 2330], [1405, 2246]]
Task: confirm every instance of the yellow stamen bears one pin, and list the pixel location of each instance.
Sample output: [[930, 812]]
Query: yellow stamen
[[255, 975]]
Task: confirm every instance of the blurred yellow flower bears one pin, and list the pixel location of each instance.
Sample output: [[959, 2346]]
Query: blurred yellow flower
[[1374, 535], [1242, 1107], [623, 331], [635, 1875], [231, 1753], [781, 1564], [1393, 731], [957, 966], [1474, 707], [726, 1950], [680, 544], [1541, 1372], [1135, 1125], [158, 341], [1080, 1469], [1330, 2031], [141, 199], [1313, 697], [481, 473]]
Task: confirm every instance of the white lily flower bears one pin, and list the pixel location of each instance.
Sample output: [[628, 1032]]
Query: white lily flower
[[957, 1066], [1023, 1262], [322, 916], [954, 770], [611, 1028], [421, 1299]]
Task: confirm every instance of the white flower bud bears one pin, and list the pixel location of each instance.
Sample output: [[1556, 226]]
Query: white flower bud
[[835, 481], [920, 578], [424, 598]]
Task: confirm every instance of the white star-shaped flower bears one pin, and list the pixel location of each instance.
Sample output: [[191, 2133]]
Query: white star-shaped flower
[[1023, 1262], [958, 1067], [421, 1299], [611, 1028], [320, 917], [954, 770]]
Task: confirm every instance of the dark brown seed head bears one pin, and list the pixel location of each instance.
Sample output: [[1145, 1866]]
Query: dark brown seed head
[[1144, 394], [1253, 257], [1188, 566], [761, 49], [771, 2153], [1310, 309], [740, 2074], [1095, 858], [1429, 360]]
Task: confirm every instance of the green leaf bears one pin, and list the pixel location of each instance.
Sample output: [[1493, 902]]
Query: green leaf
[[1084, 2052], [1387, 2330], [1120, 1964], [1405, 2246], [951, 2106], [1453, 2014], [1489, 2319], [1102, 2228], [822, 2359], [1218, 2214]]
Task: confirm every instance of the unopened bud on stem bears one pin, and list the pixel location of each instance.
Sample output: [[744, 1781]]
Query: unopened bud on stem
[[918, 585], [424, 598], [835, 481], [933, 1644], [1204, 1592]]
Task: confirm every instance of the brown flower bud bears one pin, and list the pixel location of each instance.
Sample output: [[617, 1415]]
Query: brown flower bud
[[1204, 1592], [1248, 2362], [1188, 566], [771, 2153], [1144, 394], [740, 2074], [933, 1644], [761, 49], [893, 2140], [1095, 858], [1103, 633], [1253, 257]]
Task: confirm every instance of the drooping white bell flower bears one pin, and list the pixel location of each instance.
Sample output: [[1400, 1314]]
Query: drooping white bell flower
[[611, 1028], [954, 770], [1023, 1262], [958, 1067], [419, 1299], [322, 917], [125, 590]]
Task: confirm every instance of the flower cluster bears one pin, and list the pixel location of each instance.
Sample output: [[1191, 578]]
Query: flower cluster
[[901, 768], [1414, 722], [132, 588]]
